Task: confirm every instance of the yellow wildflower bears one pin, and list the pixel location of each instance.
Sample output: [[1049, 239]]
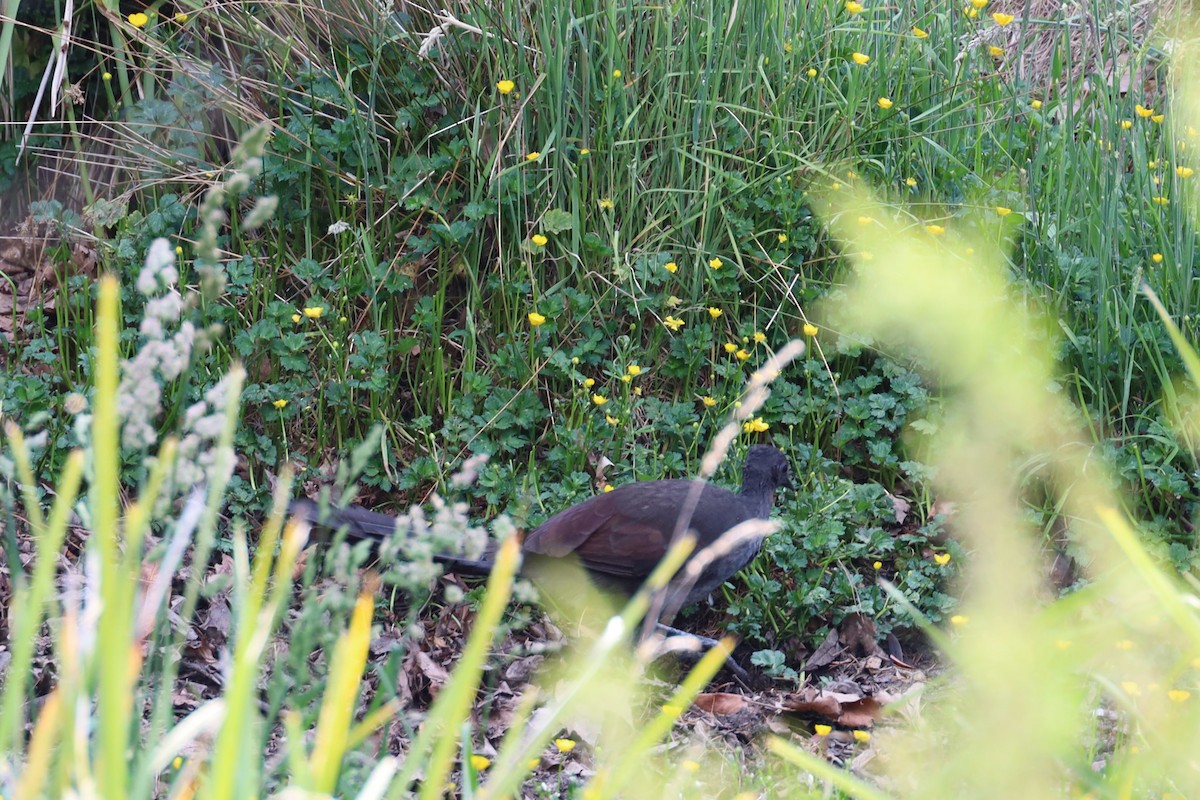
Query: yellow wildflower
[[616, 73], [534, 156], [1157, 258], [910, 183], [920, 34], [296, 317], [860, 58], [1185, 172], [812, 73], [538, 240], [853, 7], [708, 401], [862, 737], [823, 730], [1157, 118], [1178, 695], [280, 403], [671, 267], [634, 370], [959, 619], [877, 565], [1142, 111], [583, 151], [505, 87], [782, 238], [606, 203], [715, 263], [608, 489], [714, 312], [599, 399], [314, 312], [480, 762], [107, 76], [1160, 200], [941, 559], [674, 323], [589, 383], [885, 103], [742, 355], [756, 425], [979, 3], [611, 420], [536, 319], [1002, 19], [181, 17], [759, 337], [1035, 104], [1126, 124], [138, 20], [810, 329], [564, 745], [1003, 211], [994, 51], [936, 230]]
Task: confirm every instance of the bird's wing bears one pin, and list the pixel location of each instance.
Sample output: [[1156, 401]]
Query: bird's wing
[[624, 533]]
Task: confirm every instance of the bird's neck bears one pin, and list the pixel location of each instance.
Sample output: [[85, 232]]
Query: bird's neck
[[759, 496]]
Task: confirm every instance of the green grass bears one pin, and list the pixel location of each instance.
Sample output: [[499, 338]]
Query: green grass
[[383, 308]]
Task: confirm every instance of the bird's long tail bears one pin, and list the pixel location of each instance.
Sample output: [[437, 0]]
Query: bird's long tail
[[363, 524]]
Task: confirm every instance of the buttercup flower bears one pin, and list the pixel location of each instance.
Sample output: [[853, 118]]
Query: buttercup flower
[[714, 312], [634, 370], [910, 182], [564, 745], [853, 7], [860, 58], [823, 730], [742, 355], [1184, 172], [1142, 111], [1035, 104], [1157, 118], [812, 73], [994, 51], [538, 240], [709, 402], [181, 17], [920, 34], [941, 559], [536, 319], [1157, 258], [674, 323], [671, 267], [606, 203], [936, 230], [715, 263], [782, 238], [759, 337], [611, 420], [480, 762], [534, 156], [280, 403], [1003, 211], [1002, 19], [959, 620], [138, 20], [755, 425], [589, 383], [599, 399], [1126, 124], [730, 348], [1178, 695], [862, 736], [877, 565], [885, 103], [505, 87], [314, 312], [810, 329], [296, 317]]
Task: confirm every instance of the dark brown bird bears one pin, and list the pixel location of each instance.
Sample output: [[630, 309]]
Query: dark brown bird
[[620, 536]]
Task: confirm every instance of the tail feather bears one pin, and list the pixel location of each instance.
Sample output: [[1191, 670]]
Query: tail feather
[[363, 524]]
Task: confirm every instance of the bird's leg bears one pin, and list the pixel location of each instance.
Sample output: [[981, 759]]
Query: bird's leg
[[706, 643]]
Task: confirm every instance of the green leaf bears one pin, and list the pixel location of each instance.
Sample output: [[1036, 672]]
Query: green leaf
[[556, 221]]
